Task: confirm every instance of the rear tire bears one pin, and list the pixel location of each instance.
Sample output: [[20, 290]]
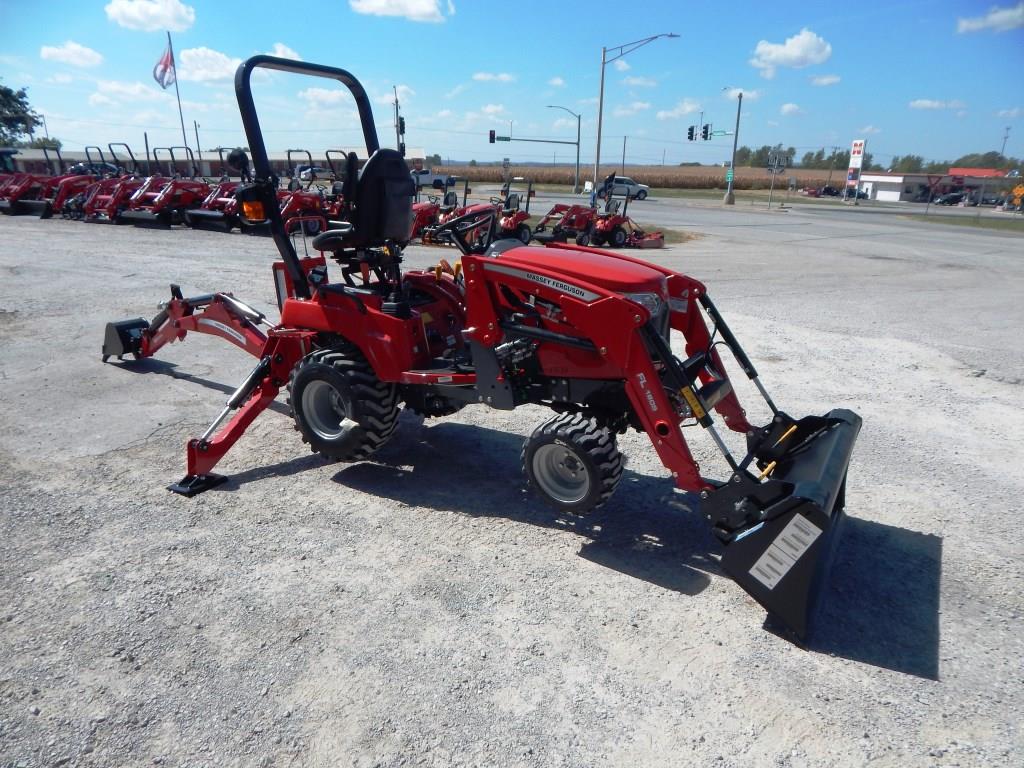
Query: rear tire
[[583, 238], [339, 405], [573, 464], [641, 195], [618, 237]]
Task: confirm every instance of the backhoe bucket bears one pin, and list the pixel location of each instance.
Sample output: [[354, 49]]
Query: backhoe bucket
[[783, 562]]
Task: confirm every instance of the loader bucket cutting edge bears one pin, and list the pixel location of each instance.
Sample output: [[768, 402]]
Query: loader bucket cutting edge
[[783, 563]]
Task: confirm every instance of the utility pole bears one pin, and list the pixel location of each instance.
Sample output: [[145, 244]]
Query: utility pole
[[199, 147], [624, 155], [1002, 151], [730, 197], [576, 182], [398, 137], [831, 166], [663, 157]]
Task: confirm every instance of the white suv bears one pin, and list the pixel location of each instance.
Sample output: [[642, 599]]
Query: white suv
[[625, 185]]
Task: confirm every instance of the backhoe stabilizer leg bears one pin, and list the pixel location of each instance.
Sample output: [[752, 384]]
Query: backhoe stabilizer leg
[[252, 397]]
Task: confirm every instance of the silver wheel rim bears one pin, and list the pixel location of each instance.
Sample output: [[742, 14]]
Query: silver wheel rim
[[560, 473], [326, 411]]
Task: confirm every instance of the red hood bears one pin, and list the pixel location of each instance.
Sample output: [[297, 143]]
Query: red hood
[[609, 272]]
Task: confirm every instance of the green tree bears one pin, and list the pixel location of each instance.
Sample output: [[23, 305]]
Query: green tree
[[39, 142], [16, 115], [472, 163], [908, 164], [743, 156], [433, 160]]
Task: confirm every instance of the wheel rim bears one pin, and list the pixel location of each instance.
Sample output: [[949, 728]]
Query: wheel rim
[[327, 412], [560, 474]]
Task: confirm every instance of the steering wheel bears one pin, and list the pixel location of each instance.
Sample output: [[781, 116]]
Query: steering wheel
[[461, 226]]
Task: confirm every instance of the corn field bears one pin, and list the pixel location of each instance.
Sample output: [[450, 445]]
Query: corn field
[[664, 177]]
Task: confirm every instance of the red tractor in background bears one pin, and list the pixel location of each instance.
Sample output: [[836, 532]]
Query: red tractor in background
[[75, 181], [585, 333], [566, 222], [437, 208], [614, 227], [513, 216], [27, 192], [73, 205], [157, 204], [219, 209]]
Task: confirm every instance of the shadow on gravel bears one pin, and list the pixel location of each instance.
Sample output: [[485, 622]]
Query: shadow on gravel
[[644, 531], [163, 368], [882, 602]]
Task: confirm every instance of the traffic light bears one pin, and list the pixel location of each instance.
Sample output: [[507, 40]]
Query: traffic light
[[491, 136], [705, 132], [401, 149], [401, 125], [690, 132]]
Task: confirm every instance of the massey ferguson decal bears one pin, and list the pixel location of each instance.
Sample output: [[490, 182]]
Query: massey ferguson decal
[[558, 285]]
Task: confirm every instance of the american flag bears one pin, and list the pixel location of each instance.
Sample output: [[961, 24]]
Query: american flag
[[163, 72]]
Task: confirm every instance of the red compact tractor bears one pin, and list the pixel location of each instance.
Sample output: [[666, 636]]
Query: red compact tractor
[[614, 227], [513, 215], [108, 175], [27, 192], [585, 333], [564, 222], [163, 202], [429, 213], [77, 179], [219, 209]]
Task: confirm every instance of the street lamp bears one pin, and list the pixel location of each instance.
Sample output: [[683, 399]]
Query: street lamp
[[730, 198], [622, 51], [576, 183]]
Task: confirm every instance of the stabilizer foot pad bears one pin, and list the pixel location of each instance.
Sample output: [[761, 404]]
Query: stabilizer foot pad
[[192, 485]]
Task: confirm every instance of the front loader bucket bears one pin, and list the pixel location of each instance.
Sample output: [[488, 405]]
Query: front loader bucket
[[201, 218], [783, 562], [41, 208], [142, 217]]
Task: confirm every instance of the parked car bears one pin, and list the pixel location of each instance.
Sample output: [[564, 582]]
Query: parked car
[[311, 172], [424, 178], [625, 185], [828, 192], [950, 198]]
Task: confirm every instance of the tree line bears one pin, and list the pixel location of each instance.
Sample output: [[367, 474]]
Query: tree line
[[840, 160]]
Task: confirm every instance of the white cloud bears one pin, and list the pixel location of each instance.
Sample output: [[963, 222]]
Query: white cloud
[[591, 100], [499, 77], [631, 109], [455, 91], [733, 93], [622, 65], [564, 122], [284, 52], [801, 50], [136, 91], [870, 129], [444, 113], [825, 79], [790, 109], [205, 64], [61, 78], [684, 107], [961, 113], [640, 82], [997, 19], [151, 15], [1011, 113], [387, 99], [71, 53], [557, 82], [100, 100], [413, 10], [324, 97], [493, 109], [936, 104]]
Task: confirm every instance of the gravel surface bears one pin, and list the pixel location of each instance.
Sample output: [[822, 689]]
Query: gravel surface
[[422, 609]]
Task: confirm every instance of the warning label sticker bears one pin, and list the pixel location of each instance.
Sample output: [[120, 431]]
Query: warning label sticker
[[788, 547]]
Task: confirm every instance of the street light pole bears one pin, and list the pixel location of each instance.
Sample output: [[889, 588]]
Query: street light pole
[[622, 51], [576, 182], [730, 198]]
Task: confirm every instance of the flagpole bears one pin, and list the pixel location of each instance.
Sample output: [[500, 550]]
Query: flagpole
[[181, 117]]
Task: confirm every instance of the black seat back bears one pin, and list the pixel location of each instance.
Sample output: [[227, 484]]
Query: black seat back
[[348, 184], [383, 201], [512, 202], [451, 200]]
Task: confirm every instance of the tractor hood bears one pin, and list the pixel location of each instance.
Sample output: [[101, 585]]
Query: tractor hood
[[609, 272]]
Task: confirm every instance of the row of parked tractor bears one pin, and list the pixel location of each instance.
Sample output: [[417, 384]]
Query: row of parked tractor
[[111, 187]]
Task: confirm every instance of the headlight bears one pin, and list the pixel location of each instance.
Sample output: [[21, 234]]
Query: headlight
[[652, 302]]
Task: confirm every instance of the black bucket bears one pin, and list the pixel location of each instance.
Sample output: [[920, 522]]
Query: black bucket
[[783, 562]]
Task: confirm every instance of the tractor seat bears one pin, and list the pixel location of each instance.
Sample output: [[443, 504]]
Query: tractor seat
[[450, 202], [334, 239], [511, 204], [498, 247]]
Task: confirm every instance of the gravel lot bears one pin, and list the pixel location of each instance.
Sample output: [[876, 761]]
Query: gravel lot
[[421, 609]]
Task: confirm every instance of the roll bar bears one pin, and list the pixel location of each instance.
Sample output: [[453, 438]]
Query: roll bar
[[265, 185]]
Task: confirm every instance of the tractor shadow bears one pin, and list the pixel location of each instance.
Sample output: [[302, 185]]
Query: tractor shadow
[[645, 530], [150, 365], [881, 605]]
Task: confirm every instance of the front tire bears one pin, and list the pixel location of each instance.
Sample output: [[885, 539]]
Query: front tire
[[523, 233], [618, 237], [572, 463], [641, 194], [583, 238], [339, 405]]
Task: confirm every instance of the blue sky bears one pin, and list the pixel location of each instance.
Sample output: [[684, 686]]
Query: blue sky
[[928, 77]]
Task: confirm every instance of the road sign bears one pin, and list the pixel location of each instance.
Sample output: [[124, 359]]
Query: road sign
[[857, 153], [728, 175], [503, 138]]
